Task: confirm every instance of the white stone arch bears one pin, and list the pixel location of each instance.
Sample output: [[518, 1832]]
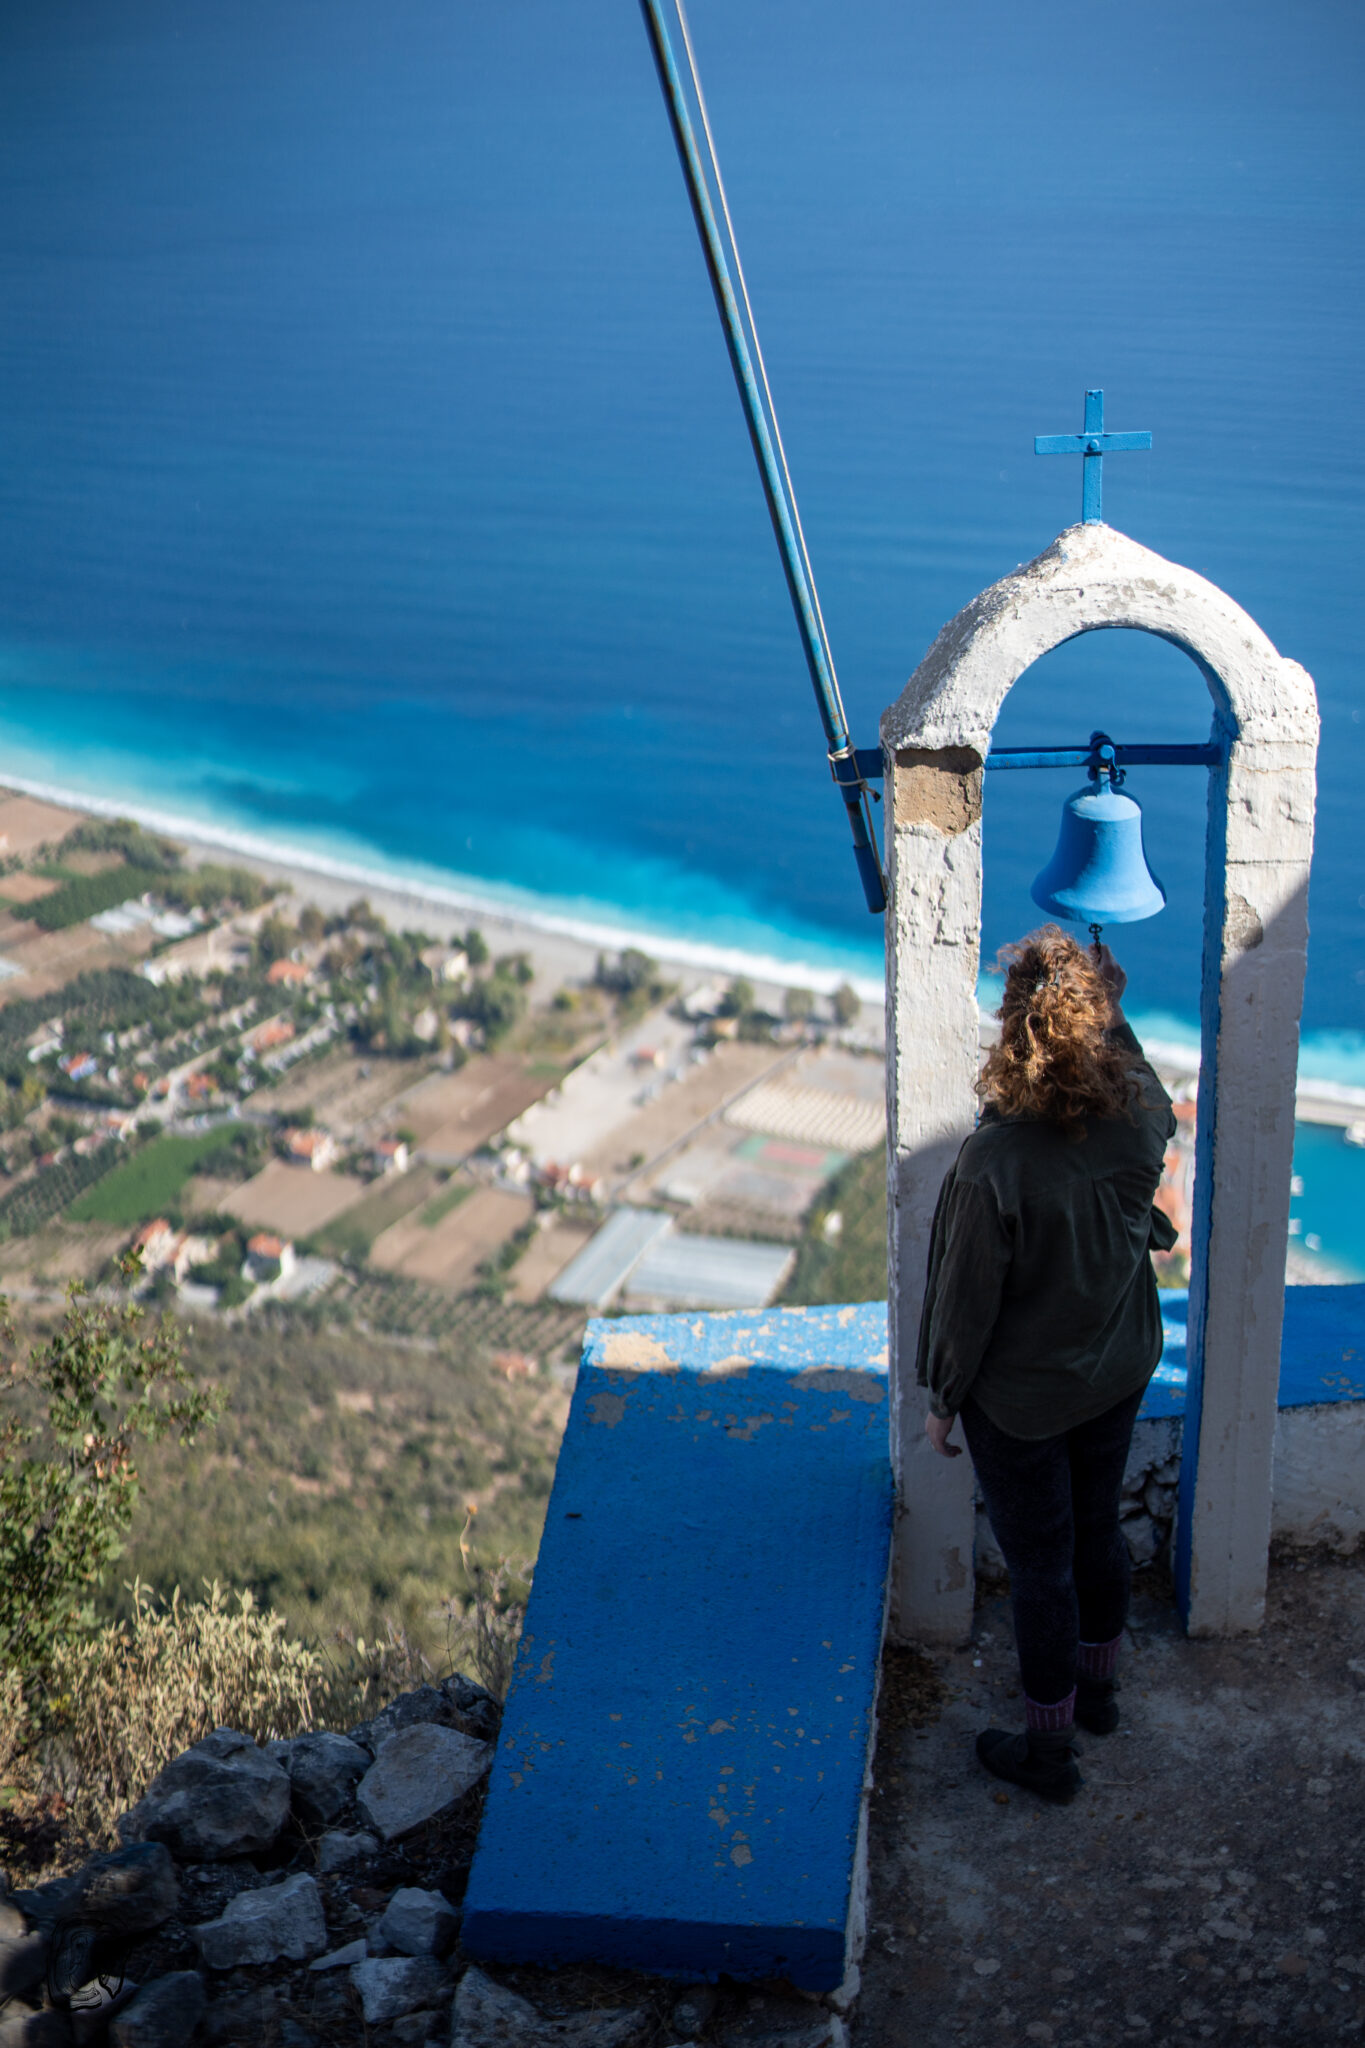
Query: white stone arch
[[935, 738]]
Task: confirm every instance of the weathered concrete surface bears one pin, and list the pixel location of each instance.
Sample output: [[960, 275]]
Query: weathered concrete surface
[[936, 738], [685, 1743], [1205, 1889]]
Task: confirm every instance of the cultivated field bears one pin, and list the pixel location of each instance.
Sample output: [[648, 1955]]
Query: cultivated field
[[453, 1114], [351, 1234], [26, 824], [60, 1251], [152, 1180], [545, 1258], [291, 1200], [343, 1090], [680, 1108], [23, 888], [449, 1252]]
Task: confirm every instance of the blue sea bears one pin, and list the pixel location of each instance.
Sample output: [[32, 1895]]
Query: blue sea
[[372, 484]]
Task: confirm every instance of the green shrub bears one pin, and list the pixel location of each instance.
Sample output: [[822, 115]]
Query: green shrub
[[71, 1419], [139, 848]]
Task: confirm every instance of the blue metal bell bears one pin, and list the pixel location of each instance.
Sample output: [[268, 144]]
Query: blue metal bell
[[1098, 874]]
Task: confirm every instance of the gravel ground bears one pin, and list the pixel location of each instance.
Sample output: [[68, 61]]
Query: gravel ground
[[1204, 1888]]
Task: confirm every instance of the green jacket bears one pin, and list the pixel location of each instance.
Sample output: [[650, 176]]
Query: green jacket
[[1041, 1302]]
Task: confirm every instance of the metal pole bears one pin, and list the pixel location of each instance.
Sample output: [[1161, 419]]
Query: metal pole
[[843, 761]]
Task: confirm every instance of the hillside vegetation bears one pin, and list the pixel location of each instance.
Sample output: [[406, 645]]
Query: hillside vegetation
[[337, 1481]]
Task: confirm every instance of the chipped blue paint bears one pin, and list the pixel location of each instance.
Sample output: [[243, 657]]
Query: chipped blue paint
[[1322, 1350], [679, 1779]]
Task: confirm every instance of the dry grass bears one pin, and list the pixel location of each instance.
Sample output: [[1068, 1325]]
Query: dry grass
[[126, 1698]]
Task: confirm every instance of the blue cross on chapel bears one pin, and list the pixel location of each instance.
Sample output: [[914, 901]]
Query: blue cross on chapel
[[1094, 444]]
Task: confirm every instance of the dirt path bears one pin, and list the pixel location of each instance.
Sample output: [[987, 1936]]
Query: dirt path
[[1206, 1889]]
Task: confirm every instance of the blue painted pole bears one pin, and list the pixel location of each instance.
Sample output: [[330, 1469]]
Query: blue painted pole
[[756, 399]]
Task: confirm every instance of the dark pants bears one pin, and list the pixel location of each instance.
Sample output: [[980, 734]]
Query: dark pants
[[1054, 1507]]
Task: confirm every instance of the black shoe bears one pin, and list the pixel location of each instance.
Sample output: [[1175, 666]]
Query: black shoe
[[1096, 1708], [1044, 1764]]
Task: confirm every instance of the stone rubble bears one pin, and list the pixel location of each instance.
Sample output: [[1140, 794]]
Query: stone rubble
[[488, 2015], [324, 1771], [420, 1771], [161, 2015], [306, 1894], [224, 1797], [419, 1923], [265, 1926], [399, 1984]]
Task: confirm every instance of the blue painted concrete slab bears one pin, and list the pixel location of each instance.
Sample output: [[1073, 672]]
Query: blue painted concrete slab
[[1322, 1351], [679, 1779]]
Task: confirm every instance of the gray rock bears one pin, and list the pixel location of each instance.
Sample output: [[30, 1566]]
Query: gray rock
[[264, 1926], [35, 2030], [420, 1772], [1143, 1538], [475, 1705], [341, 1958], [225, 1797], [427, 1705], [489, 2016], [244, 2019], [694, 2009], [419, 1923], [129, 1892], [339, 1852], [23, 1963], [163, 2015], [324, 1771], [413, 2028], [786, 2023], [390, 1986]]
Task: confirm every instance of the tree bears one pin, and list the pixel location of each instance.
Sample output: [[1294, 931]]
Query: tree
[[276, 940], [74, 1414], [739, 998], [797, 1005], [846, 1005], [475, 946], [496, 1005], [312, 923], [626, 975]]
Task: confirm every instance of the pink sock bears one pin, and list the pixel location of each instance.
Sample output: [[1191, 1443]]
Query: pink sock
[[1099, 1660], [1050, 1720]]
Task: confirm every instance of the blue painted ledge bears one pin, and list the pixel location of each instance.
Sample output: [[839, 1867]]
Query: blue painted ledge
[[679, 1785], [1322, 1351]]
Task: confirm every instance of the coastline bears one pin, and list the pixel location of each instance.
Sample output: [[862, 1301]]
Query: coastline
[[562, 944], [448, 907]]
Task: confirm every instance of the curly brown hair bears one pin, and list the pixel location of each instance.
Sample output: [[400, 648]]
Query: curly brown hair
[[1054, 1059]]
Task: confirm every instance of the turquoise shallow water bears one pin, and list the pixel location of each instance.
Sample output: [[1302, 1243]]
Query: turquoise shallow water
[[372, 484]]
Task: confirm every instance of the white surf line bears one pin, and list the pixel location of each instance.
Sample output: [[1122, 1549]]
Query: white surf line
[[275, 854]]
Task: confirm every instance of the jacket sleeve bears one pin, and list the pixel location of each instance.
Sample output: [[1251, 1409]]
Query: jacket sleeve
[[969, 1257]]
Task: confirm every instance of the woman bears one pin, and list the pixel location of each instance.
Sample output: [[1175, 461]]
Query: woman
[[1041, 1328]]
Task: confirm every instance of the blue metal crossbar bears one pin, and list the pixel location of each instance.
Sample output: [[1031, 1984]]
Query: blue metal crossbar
[[1094, 444], [1207, 754], [712, 216]]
